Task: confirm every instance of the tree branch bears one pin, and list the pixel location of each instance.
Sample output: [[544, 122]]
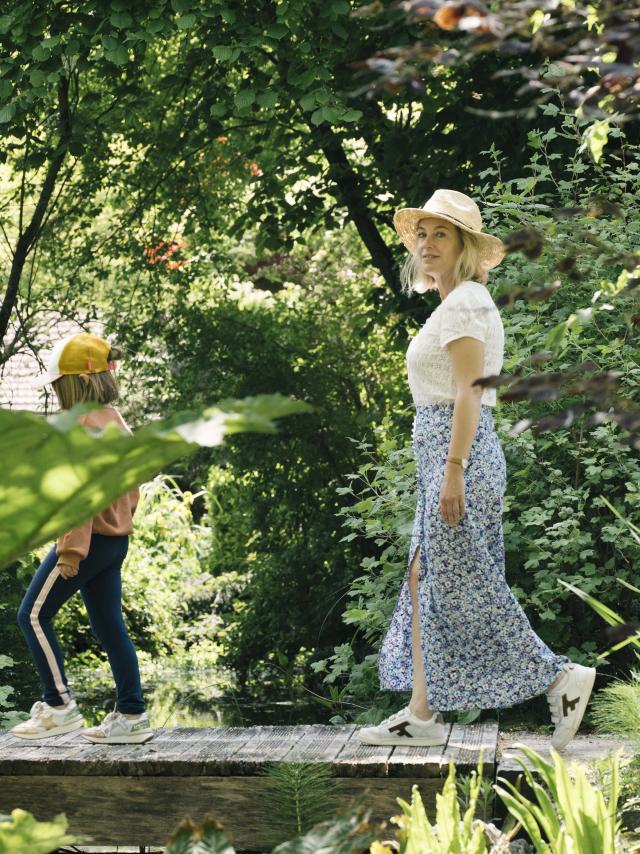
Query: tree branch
[[353, 197], [29, 236]]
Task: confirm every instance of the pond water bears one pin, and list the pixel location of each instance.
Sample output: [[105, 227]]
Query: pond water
[[178, 696], [196, 698]]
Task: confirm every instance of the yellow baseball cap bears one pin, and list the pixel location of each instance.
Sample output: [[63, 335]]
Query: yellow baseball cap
[[82, 353]]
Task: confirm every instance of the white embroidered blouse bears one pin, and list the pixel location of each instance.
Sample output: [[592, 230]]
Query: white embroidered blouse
[[468, 310]]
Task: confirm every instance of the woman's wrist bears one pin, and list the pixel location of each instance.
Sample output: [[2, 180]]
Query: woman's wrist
[[462, 462]]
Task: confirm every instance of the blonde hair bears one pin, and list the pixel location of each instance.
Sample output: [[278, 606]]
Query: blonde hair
[[101, 387], [466, 267]]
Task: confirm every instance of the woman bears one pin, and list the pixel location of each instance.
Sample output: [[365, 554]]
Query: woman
[[458, 638]]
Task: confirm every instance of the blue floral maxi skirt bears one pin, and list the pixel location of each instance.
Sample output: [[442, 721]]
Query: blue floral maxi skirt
[[479, 649]]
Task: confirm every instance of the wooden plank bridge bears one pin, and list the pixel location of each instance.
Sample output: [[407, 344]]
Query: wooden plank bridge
[[137, 794]]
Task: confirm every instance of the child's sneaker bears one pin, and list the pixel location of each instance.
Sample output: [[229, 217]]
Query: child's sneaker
[[46, 721], [404, 727], [116, 728], [568, 701]]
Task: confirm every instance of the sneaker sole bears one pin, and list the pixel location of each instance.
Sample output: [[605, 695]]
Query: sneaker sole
[[582, 707], [50, 733], [391, 741], [138, 738]]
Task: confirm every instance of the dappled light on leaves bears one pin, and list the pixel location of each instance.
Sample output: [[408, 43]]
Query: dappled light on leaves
[[61, 481], [100, 467]]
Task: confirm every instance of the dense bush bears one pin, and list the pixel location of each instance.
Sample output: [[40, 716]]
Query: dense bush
[[272, 498], [18, 676]]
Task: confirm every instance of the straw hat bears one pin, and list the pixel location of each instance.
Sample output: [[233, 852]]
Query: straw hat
[[458, 209]]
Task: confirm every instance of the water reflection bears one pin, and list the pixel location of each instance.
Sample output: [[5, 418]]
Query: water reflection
[[178, 697]]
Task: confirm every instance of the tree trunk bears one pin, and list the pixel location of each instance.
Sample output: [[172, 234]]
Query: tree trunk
[[28, 238], [353, 197]]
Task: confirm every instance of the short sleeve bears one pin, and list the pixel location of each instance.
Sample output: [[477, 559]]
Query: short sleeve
[[464, 316]]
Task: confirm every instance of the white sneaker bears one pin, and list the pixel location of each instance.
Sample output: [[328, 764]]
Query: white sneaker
[[568, 701], [404, 727], [118, 729], [46, 721]]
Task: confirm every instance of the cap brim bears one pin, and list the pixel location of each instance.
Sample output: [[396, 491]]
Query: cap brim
[[44, 380]]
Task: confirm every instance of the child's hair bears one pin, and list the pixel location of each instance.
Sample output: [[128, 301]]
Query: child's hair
[[101, 387], [467, 267]]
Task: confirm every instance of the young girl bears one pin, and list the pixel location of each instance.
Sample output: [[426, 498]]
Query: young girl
[[87, 559]]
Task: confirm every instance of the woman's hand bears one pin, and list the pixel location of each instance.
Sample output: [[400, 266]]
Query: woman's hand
[[66, 570], [452, 494]]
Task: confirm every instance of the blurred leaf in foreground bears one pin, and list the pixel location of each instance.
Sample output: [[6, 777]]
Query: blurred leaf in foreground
[[55, 473]]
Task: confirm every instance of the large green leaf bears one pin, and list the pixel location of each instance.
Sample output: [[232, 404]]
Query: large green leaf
[[56, 473]]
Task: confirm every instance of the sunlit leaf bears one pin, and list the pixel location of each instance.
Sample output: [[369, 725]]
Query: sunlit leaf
[[56, 473]]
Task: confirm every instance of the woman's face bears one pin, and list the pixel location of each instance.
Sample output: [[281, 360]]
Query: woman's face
[[438, 246]]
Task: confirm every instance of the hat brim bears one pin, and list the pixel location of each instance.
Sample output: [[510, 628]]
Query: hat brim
[[45, 380], [405, 221]]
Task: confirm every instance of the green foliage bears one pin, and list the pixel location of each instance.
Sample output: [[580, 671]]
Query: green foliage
[[630, 793], [20, 833], [557, 526], [568, 813], [272, 509], [451, 833], [20, 675], [164, 568], [8, 717], [189, 838], [616, 707], [469, 787], [381, 509], [349, 833], [58, 474], [194, 122], [300, 794]]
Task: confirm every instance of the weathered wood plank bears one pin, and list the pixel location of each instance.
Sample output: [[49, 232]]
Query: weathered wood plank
[[51, 756], [237, 751], [465, 743], [219, 758], [361, 760], [144, 811], [6, 739], [247, 753], [267, 744], [136, 794], [406, 761], [320, 743], [171, 758]]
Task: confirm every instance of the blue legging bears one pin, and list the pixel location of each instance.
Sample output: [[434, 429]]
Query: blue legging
[[100, 585]]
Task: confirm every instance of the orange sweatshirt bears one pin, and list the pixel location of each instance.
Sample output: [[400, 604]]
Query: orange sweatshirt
[[115, 520]]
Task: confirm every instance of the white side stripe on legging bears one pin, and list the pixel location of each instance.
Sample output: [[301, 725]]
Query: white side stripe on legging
[[34, 618]]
